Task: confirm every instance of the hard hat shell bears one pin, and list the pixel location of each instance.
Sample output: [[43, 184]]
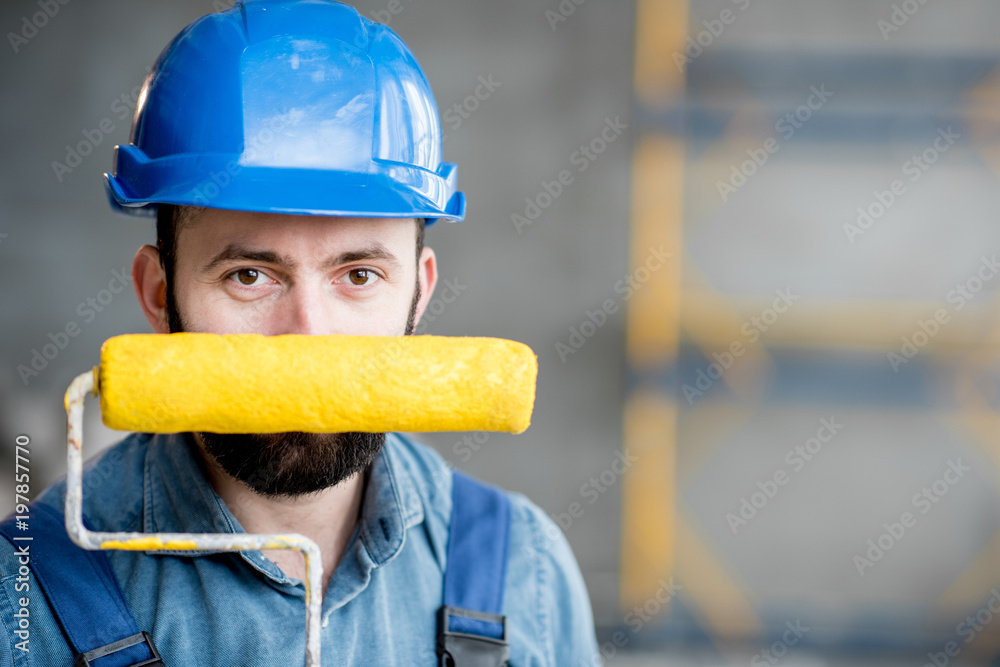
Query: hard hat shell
[[287, 106]]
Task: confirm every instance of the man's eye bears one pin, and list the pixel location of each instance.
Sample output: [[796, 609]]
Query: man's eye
[[362, 276], [248, 277]]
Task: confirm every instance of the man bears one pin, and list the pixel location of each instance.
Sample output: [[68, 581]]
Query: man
[[291, 151]]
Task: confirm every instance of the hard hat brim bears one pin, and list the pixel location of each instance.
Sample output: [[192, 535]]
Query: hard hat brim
[[387, 190]]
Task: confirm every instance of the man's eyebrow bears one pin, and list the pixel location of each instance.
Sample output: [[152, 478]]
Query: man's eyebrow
[[234, 251], [237, 252], [374, 251]]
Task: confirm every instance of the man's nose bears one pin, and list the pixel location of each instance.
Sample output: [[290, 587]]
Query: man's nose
[[307, 310]]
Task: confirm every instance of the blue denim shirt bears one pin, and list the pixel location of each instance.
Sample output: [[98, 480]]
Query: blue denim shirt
[[231, 609]]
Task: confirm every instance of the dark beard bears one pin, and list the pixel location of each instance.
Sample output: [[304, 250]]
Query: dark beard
[[295, 463]]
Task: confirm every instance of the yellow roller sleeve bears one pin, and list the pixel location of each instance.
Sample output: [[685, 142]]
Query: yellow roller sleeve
[[269, 384]]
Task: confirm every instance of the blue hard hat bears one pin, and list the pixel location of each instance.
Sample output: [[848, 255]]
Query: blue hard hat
[[287, 106]]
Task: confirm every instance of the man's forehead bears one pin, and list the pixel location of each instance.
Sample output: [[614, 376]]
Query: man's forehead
[[218, 223], [215, 236]]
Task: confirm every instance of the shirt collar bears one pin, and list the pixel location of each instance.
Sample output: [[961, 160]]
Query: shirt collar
[[177, 498]]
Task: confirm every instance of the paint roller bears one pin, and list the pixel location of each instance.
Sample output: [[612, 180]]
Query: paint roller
[[250, 383]]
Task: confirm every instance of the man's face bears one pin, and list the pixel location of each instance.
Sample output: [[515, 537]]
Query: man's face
[[242, 272], [266, 273]]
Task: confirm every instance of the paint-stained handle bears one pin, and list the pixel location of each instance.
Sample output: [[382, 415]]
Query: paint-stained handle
[[249, 383]]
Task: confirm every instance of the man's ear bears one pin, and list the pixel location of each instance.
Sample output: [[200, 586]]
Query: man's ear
[[427, 276], [150, 284]]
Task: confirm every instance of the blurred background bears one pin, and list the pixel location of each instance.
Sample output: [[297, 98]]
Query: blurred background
[[753, 243]]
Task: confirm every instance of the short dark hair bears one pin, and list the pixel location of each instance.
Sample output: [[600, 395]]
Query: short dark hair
[[170, 219]]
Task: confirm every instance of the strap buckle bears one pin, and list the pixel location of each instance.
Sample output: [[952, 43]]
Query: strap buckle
[[460, 644], [85, 659]]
